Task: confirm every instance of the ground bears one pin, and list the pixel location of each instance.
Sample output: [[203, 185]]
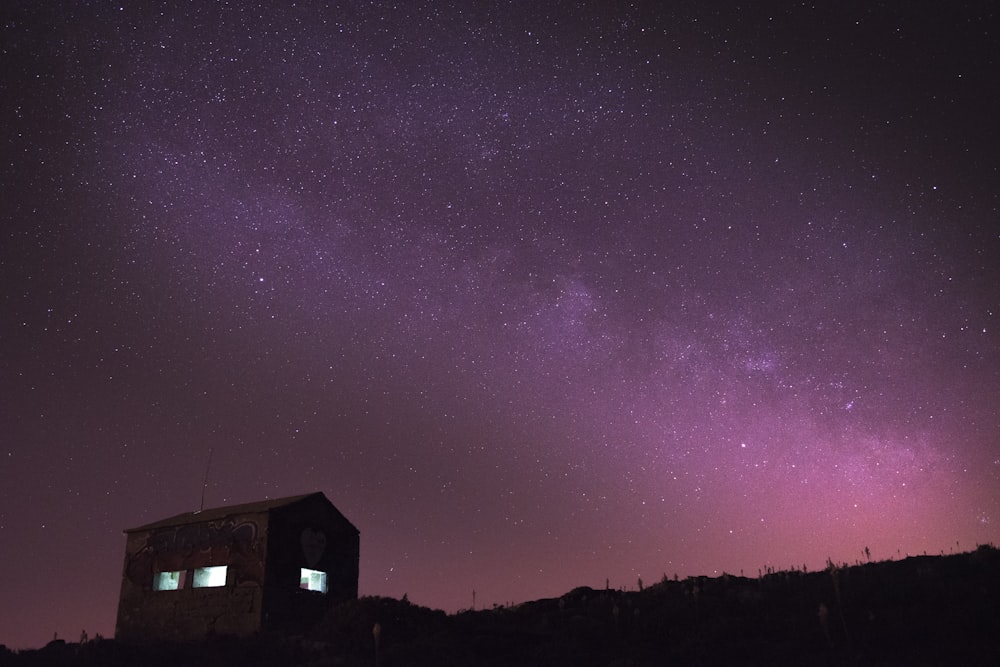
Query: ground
[[926, 610]]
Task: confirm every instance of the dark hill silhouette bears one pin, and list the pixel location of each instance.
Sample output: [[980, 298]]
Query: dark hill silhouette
[[926, 610]]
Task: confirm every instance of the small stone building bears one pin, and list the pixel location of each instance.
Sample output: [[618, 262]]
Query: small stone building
[[274, 565]]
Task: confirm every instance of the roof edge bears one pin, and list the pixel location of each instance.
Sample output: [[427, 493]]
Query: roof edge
[[215, 513]]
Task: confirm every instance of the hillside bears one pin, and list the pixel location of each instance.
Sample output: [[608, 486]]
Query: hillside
[[926, 610]]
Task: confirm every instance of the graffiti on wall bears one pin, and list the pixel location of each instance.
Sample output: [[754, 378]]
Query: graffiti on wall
[[200, 536], [313, 545], [232, 542]]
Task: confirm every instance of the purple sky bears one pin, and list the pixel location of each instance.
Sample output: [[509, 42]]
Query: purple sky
[[539, 294]]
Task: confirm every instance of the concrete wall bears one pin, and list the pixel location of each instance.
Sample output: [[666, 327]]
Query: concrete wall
[[194, 613], [264, 550], [313, 535]]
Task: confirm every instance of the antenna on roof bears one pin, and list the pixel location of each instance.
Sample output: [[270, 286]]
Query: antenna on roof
[[204, 486]]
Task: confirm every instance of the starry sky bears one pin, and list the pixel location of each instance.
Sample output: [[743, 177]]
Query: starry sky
[[540, 294]]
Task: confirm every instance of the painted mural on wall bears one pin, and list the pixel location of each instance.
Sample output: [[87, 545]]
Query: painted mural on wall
[[313, 545], [229, 541]]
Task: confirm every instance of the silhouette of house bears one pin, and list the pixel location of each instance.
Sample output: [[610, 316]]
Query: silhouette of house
[[274, 565]]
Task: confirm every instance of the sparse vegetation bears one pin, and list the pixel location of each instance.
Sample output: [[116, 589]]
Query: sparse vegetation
[[930, 610]]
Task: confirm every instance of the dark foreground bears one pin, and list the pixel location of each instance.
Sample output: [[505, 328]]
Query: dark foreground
[[928, 610]]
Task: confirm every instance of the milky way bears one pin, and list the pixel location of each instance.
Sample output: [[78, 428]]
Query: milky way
[[539, 294]]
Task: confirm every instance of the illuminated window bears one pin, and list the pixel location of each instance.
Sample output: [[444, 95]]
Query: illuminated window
[[312, 580], [168, 581], [210, 577]]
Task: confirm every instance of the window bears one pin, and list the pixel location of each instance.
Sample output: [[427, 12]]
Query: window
[[210, 577], [312, 580], [168, 581]]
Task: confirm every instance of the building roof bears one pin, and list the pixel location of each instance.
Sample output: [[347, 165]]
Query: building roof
[[227, 510]]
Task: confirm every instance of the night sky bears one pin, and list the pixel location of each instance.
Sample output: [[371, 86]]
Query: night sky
[[539, 294]]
